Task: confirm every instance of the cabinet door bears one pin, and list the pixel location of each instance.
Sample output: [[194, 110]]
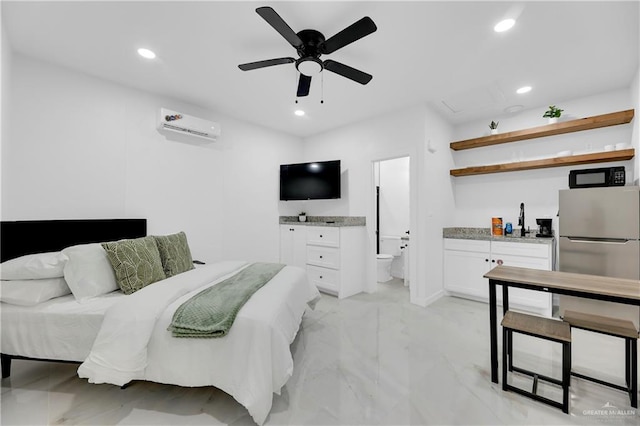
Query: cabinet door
[[463, 273], [530, 300], [293, 241]]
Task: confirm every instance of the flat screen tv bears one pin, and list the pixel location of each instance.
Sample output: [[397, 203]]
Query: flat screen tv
[[318, 180]]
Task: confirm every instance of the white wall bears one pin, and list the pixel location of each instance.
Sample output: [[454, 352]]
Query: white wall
[[403, 133], [82, 147], [5, 95], [394, 196], [635, 137], [480, 197]]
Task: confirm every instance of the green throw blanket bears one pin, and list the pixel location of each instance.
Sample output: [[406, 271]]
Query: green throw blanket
[[211, 312]]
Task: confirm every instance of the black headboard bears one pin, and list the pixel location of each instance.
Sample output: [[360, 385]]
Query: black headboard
[[38, 236]]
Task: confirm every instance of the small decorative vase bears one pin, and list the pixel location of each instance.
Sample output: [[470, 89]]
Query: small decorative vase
[[302, 218], [494, 131], [553, 120]]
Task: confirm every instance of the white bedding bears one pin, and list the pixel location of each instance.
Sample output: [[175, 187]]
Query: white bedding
[[59, 328], [251, 363]]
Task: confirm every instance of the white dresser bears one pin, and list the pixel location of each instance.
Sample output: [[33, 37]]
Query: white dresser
[[334, 256]]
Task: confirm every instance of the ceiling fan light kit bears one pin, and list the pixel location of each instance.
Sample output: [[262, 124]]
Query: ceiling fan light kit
[[310, 45], [309, 66]]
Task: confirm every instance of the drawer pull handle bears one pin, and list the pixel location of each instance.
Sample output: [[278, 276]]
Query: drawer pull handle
[[320, 276], [320, 236], [320, 257]]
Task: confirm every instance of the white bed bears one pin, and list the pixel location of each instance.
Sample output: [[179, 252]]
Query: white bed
[[58, 329], [120, 338]]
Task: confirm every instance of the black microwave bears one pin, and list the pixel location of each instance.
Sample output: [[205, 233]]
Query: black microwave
[[590, 178]]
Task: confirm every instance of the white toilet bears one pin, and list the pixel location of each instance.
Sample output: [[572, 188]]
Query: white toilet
[[389, 248]]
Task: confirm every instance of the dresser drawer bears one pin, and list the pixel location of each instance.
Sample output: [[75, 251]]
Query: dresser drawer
[[323, 236], [327, 257], [323, 278]]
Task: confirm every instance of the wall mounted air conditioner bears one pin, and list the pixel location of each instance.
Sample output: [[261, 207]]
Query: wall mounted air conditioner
[[178, 122]]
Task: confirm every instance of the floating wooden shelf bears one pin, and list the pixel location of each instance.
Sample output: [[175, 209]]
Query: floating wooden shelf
[[598, 157], [604, 120]]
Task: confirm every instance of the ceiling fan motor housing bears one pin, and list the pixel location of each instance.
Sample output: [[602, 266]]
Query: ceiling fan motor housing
[[311, 43]]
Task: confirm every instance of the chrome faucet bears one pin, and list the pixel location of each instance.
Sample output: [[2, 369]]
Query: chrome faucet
[[521, 220]]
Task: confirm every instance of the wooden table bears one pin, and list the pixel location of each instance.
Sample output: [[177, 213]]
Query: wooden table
[[588, 286]]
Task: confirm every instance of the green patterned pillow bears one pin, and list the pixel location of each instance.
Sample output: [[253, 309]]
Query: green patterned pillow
[[174, 253], [136, 263]]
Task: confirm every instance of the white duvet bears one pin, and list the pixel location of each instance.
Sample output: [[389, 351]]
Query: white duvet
[[251, 363]]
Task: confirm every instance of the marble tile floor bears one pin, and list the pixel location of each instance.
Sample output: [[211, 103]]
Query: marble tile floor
[[371, 359]]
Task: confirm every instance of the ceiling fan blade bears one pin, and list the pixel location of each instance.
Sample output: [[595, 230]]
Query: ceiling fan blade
[[273, 19], [304, 84], [347, 71], [268, 63], [353, 32]]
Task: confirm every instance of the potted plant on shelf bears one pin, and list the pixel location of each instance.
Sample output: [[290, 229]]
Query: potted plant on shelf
[[494, 127], [302, 217], [553, 114]]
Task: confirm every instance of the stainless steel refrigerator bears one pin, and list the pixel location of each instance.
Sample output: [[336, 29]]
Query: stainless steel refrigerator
[[599, 231]]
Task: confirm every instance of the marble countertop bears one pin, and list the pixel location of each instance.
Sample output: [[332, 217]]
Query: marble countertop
[[335, 221], [485, 235]]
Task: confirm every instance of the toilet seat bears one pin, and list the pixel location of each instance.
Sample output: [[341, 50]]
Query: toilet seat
[[384, 256]]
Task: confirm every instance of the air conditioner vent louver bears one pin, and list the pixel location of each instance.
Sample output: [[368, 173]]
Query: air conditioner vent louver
[[188, 125]]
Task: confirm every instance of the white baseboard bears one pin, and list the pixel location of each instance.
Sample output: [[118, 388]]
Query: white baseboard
[[426, 301]]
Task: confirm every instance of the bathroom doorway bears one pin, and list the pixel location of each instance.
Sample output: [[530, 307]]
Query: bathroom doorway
[[392, 195]]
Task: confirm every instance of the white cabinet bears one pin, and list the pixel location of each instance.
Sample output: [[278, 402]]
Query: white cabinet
[[333, 256], [336, 259], [466, 261], [293, 245]]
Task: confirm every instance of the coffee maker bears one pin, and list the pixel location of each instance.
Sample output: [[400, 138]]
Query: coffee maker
[[544, 228]]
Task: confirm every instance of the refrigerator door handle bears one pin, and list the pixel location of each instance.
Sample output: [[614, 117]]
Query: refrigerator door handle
[[599, 240]]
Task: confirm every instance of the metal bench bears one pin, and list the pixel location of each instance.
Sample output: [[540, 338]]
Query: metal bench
[[623, 329], [543, 328]]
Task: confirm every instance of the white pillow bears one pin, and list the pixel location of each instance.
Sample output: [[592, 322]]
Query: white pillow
[[33, 266], [88, 271], [32, 292]]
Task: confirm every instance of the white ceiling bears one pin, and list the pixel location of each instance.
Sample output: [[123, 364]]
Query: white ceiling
[[434, 53]]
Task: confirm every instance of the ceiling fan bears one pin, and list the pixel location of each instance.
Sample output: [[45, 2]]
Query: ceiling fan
[[310, 45]]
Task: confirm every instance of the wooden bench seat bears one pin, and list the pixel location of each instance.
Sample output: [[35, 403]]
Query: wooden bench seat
[[615, 327], [544, 328], [606, 325], [547, 328]]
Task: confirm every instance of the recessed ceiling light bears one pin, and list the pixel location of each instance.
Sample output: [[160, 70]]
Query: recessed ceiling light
[[146, 53], [512, 109], [299, 112], [504, 25], [523, 89]]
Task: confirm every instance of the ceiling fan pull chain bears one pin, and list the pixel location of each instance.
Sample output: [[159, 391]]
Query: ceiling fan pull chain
[[322, 87], [295, 79]]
